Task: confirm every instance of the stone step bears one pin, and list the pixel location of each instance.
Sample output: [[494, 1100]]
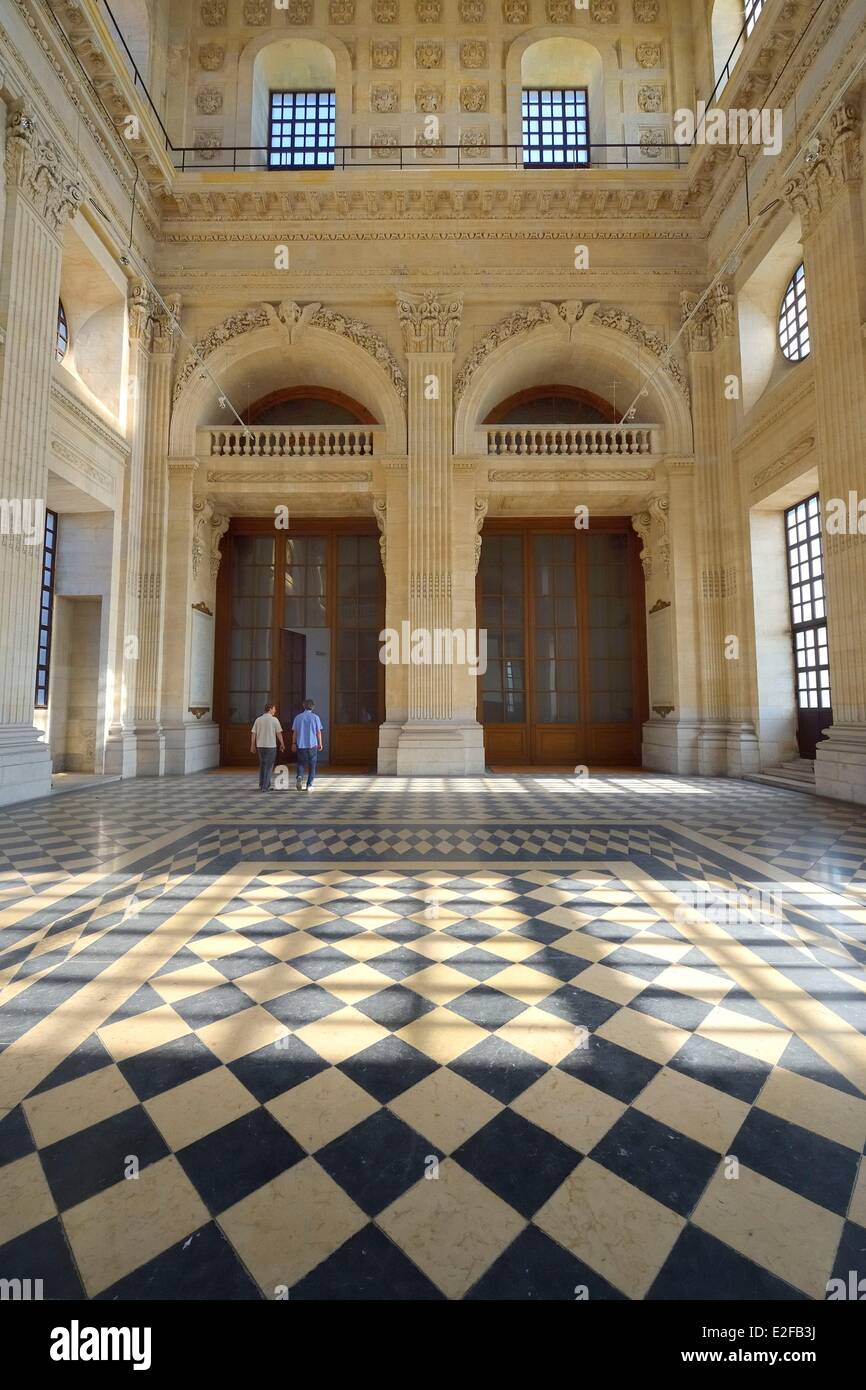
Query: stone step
[[776, 777]]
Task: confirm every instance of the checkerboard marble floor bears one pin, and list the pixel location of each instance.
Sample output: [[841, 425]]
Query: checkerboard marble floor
[[521, 1047]]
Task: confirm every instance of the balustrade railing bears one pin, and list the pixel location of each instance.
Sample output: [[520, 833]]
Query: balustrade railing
[[551, 440], [291, 441]]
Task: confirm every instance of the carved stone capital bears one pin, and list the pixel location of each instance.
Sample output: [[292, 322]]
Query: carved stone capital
[[208, 528], [712, 323], [34, 167], [837, 161], [429, 321], [166, 324]]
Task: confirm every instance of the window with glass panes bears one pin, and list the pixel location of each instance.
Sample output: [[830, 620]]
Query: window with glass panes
[[609, 619], [554, 578], [555, 126], [306, 582], [359, 607], [752, 11], [250, 636], [808, 608], [794, 319], [302, 130], [501, 580], [61, 342], [46, 610]]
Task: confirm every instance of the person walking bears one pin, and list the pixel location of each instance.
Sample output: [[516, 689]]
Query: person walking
[[265, 734], [307, 742]]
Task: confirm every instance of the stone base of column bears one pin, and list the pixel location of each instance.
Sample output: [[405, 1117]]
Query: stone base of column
[[440, 749], [121, 751], [670, 746], [713, 750], [386, 758], [191, 748], [25, 764], [743, 750], [840, 763]]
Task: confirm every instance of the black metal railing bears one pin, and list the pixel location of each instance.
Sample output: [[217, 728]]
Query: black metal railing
[[240, 158]]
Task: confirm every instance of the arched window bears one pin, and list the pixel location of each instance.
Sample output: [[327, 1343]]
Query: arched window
[[794, 319], [561, 103], [62, 339]]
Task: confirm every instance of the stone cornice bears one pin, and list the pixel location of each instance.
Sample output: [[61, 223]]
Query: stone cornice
[[64, 400], [780, 410], [571, 475], [792, 455]]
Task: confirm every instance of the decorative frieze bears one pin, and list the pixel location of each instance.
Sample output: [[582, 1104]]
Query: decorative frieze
[[211, 57], [560, 11], [266, 315], [382, 142], [209, 101], [571, 475], [430, 322], [569, 317], [473, 96], [650, 97], [472, 11], [651, 140], [428, 11], [474, 141], [213, 12], [430, 53], [385, 97], [386, 11], [385, 53], [515, 11], [429, 97], [283, 479], [645, 11], [473, 53], [648, 55], [207, 142], [341, 11], [604, 11], [256, 12], [299, 12]]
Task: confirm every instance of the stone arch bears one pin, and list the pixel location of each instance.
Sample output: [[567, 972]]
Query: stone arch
[[531, 347], [315, 57], [251, 354], [573, 60]]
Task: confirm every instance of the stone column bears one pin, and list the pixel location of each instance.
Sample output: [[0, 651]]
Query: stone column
[[40, 198], [139, 743], [436, 738], [828, 195], [727, 742]]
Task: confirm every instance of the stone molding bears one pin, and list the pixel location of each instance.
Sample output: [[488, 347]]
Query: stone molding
[[82, 464], [797, 451], [150, 326], [291, 320], [208, 528], [481, 506], [35, 168], [218, 475], [380, 511], [429, 321], [570, 317], [572, 475]]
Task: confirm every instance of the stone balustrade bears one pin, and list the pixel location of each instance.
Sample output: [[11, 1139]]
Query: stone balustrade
[[550, 440], [290, 441]]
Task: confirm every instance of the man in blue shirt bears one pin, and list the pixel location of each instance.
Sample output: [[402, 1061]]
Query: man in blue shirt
[[307, 742]]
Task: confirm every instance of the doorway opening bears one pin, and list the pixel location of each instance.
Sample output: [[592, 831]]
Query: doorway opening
[[566, 678], [299, 614], [805, 551]]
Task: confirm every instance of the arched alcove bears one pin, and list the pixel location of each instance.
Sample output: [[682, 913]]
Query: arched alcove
[[308, 405], [552, 404], [555, 58], [758, 303], [604, 362], [256, 365], [273, 62]]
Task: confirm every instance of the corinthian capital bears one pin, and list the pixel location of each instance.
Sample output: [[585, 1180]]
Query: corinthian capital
[[35, 168], [429, 321], [713, 322], [837, 161]]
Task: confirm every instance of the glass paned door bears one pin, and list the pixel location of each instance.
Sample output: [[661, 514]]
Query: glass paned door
[[805, 552]]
